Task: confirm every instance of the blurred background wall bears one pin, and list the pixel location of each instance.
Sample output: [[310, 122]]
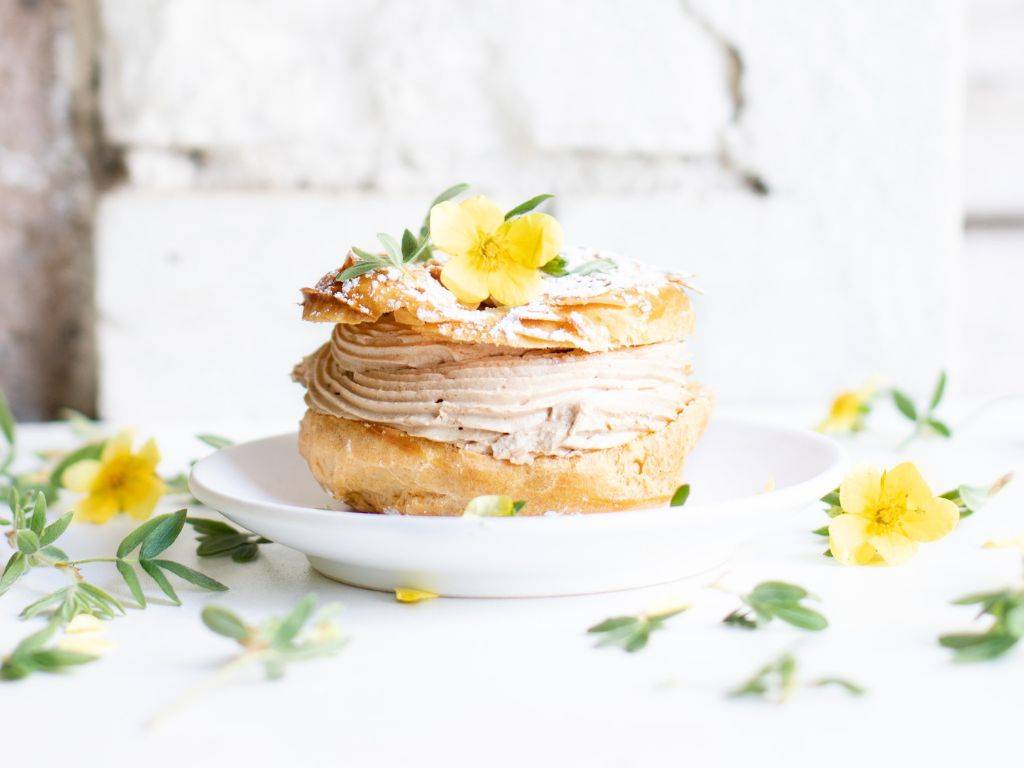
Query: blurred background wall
[[194, 163]]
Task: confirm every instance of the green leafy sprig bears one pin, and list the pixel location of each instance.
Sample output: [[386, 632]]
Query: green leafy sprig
[[776, 600], [631, 633], [777, 680], [397, 253], [924, 420], [35, 548], [34, 654], [280, 641], [1006, 607], [218, 539]]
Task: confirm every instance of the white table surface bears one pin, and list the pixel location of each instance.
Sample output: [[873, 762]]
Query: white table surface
[[518, 682]]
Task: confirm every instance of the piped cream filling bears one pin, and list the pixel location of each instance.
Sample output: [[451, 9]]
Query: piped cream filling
[[510, 403]]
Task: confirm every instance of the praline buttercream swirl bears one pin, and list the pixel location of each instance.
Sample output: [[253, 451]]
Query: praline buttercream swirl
[[513, 404]]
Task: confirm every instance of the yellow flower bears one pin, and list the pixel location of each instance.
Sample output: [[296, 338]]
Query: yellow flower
[[85, 634], [491, 257], [410, 595], [849, 409], [120, 481], [886, 514]]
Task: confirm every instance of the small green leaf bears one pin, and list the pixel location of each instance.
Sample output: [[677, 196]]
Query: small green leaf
[[739, 618], [831, 498], [27, 541], [777, 592], [555, 267], [801, 617], [224, 622], [940, 389], [215, 441], [409, 245], [292, 624], [613, 623], [204, 525], [42, 604], [6, 420], [850, 687], [392, 248], [680, 496], [938, 427], [54, 553], [55, 660], [38, 520], [527, 206], [191, 576], [245, 553], [993, 646], [594, 265], [56, 529], [518, 506], [904, 404], [133, 539], [15, 567], [823, 531], [360, 268], [163, 535], [161, 581], [221, 544], [132, 580], [101, 595]]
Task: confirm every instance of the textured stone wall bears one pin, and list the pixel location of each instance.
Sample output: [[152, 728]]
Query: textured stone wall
[[46, 202]]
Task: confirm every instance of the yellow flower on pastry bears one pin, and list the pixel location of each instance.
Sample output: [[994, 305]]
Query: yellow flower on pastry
[[119, 481], [886, 514], [849, 409], [489, 256]]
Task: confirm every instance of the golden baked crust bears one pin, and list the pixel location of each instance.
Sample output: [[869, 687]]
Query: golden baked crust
[[374, 468], [627, 306]]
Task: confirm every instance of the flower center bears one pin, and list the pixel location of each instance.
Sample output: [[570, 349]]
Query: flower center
[[492, 254]]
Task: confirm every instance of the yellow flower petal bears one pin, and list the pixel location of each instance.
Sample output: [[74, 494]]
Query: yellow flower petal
[[904, 482], [410, 595], [860, 491], [119, 444], [461, 278], [140, 497], [531, 240], [458, 228], [514, 285], [930, 522], [97, 507], [848, 540], [84, 622], [893, 548], [150, 454], [79, 476]]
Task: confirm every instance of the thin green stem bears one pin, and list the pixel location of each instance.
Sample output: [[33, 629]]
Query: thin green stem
[[88, 560]]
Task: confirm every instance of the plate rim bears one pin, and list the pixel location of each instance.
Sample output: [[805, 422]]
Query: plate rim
[[836, 467]]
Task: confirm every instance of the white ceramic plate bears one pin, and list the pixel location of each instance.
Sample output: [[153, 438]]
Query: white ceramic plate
[[265, 487]]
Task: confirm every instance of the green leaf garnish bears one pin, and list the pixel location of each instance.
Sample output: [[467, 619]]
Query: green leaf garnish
[[926, 421], [631, 633], [776, 600], [556, 267], [777, 680], [218, 539], [215, 441], [680, 496], [527, 206], [1006, 607]]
